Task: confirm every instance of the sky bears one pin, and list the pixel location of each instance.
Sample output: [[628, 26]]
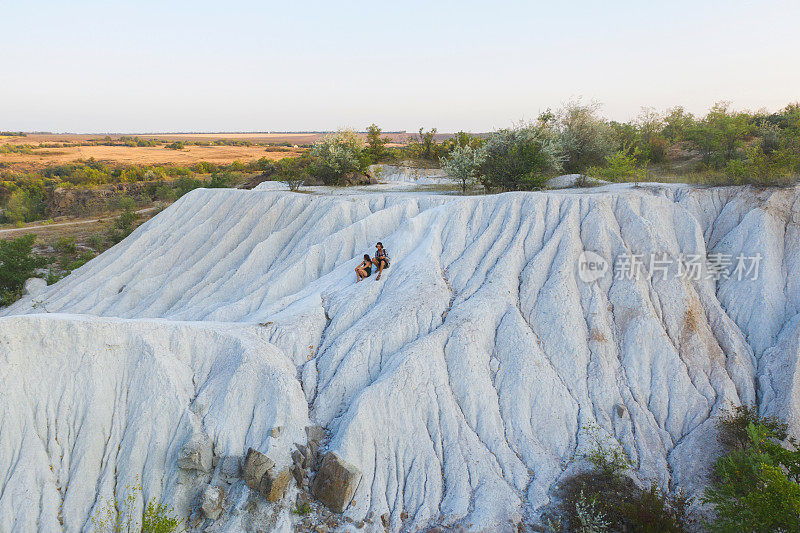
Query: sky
[[175, 66]]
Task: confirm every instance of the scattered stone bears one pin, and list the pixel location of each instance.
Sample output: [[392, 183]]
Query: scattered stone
[[315, 434], [305, 456], [212, 502], [197, 454], [276, 431], [385, 520], [621, 410], [336, 482], [231, 467]]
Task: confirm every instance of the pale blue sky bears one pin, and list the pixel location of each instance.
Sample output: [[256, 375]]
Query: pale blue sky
[[147, 66]]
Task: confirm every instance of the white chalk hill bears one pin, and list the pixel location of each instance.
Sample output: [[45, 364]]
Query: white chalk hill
[[459, 384]]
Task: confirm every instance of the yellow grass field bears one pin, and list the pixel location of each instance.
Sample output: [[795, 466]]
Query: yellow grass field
[[157, 155], [140, 155]]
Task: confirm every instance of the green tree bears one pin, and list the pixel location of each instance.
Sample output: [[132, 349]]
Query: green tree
[[650, 140], [123, 225], [17, 264], [677, 122], [620, 166], [376, 145], [719, 134], [428, 142]]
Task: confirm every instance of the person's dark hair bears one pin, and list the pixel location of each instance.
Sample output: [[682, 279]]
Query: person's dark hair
[[379, 244], [366, 257]]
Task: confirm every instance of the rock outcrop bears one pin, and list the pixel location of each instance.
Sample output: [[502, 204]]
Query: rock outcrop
[[336, 482]]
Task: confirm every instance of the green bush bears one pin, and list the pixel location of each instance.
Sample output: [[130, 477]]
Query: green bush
[[123, 225], [518, 158], [755, 485], [620, 166], [158, 518], [462, 166], [335, 156], [585, 138], [17, 264], [177, 145], [622, 504], [778, 167]]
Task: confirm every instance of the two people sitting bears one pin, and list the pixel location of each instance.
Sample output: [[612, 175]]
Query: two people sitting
[[381, 261]]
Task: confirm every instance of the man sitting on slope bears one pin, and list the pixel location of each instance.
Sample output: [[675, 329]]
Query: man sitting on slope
[[381, 259]]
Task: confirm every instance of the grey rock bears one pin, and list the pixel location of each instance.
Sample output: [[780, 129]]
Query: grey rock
[[276, 431], [305, 455], [256, 464], [196, 454], [336, 482], [212, 502], [231, 467], [34, 286]]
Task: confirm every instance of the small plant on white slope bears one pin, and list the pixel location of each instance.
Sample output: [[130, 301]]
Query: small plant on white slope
[[591, 519], [605, 453]]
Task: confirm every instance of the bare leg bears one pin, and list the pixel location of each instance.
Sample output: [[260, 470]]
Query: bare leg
[[380, 269]]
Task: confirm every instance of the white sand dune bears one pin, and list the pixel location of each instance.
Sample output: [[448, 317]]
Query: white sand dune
[[459, 384]]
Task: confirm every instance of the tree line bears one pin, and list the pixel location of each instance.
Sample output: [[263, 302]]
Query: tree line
[[723, 146]]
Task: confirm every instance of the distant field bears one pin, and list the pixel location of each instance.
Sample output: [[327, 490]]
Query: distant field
[[147, 155]]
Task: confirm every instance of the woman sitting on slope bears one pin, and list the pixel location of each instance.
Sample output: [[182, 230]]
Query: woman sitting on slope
[[364, 269]]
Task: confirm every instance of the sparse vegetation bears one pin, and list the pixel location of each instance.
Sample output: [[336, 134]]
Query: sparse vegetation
[[606, 499], [156, 518]]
